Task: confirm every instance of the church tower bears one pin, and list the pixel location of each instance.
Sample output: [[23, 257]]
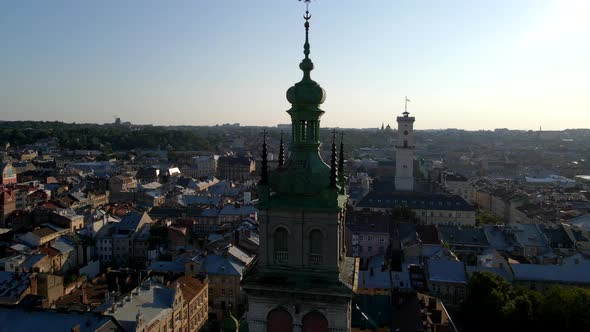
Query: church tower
[[303, 280], [404, 152]]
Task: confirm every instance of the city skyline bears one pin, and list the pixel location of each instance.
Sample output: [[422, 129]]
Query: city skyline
[[464, 65]]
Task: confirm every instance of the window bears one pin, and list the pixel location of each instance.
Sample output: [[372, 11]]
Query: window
[[382, 239], [370, 249], [315, 247], [370, 238], [281, 246]]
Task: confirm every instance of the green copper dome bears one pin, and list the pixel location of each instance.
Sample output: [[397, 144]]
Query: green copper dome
[[304, 179], [307, 91]]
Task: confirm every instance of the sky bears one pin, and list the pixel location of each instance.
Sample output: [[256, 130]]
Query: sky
[[519, 64]]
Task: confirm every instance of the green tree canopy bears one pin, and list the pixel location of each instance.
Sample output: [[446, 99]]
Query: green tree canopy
[[492, 304]]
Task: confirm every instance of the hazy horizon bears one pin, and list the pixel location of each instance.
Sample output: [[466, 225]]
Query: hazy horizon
[[465, 65]]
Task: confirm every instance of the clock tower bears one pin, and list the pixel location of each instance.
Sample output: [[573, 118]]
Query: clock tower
[[303, 280], [404, 152]]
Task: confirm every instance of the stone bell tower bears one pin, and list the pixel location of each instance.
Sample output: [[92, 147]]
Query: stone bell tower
[[303, 280]]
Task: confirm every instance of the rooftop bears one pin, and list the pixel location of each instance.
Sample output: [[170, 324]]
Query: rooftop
[[153, 301], [569, 274], [415, 200], [463, 235], [43, 232], [190, 286], [14, 319], [12, 286], [446, 271]]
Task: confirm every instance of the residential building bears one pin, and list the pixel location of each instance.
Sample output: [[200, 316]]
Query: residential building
[[7, 174], [224, 275], [202, 166], [195, 293], [124, 240], [235, 168], [149, 307], [43, 235], [7, 203], [465, 242], [447, 280], [459, 185], [122, 183], [429, 208], [50, 286]]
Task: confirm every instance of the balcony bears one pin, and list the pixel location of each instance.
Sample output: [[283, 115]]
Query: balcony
[[315, 259], [281, 257]]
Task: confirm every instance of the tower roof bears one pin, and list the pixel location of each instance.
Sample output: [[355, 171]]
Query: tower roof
[[304, 178], [306, 91]]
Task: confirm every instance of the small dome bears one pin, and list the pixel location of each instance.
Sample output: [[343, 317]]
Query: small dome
[[306, 93]]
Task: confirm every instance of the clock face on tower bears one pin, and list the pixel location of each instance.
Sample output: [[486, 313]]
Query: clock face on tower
[[405, 132]]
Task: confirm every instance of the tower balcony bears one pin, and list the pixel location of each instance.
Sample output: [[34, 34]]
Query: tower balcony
[[406, 119], [315, 259], [281, 257]]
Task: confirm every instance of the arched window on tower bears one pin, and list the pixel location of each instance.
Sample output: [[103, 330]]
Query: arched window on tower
[[281, 246], [279, 320], [315, 322], [315, 247]]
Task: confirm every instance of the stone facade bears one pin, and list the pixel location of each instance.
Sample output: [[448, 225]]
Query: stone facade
[[308, 243], [263, 308]]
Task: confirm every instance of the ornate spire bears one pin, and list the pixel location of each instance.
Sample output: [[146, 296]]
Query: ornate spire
[[309, 92], [264, 170], [281, 152], [333, 171], [341, 164], [307, 16]]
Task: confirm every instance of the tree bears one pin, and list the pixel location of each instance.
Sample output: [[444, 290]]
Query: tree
[[403, 213], [492, 304], [486, 217]]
